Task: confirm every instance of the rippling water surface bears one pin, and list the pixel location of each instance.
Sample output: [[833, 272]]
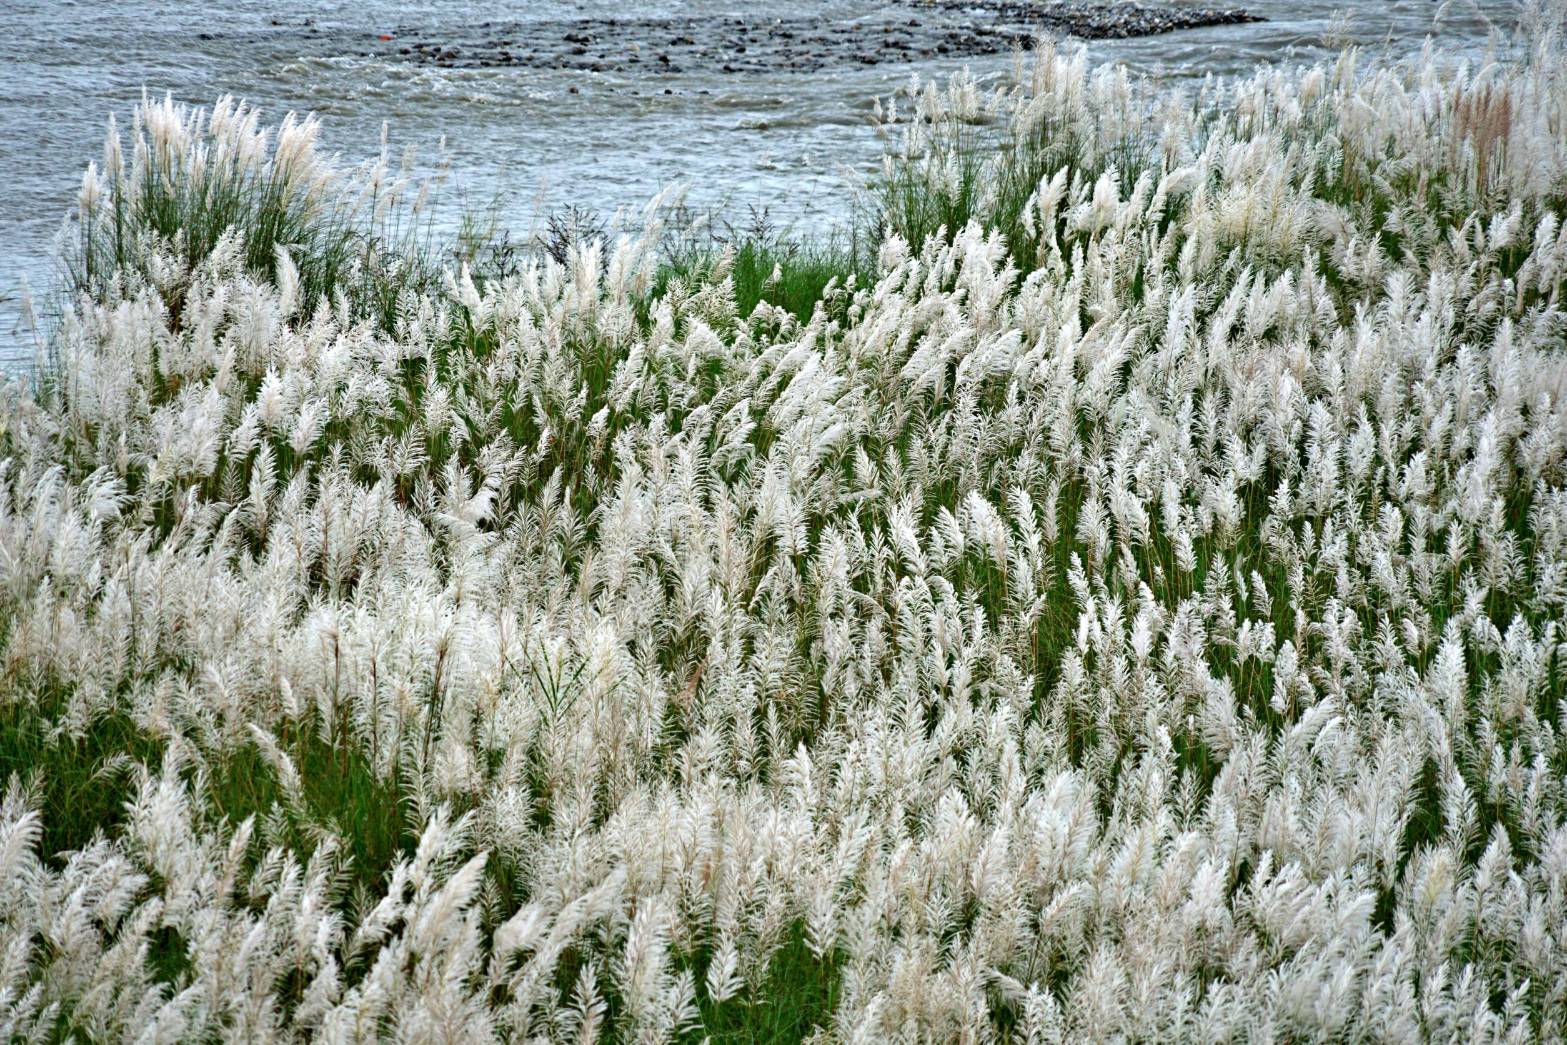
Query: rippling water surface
[[521, 136]]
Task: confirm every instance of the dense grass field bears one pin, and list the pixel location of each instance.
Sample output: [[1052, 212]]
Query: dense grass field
[[1118, 590]]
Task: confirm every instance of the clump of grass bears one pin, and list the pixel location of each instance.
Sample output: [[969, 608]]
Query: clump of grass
[[194, 179], [764, 263], [794, 1001], [961, 156], [80, 778]]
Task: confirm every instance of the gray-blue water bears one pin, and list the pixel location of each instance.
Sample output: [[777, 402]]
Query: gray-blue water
[[521, 136]]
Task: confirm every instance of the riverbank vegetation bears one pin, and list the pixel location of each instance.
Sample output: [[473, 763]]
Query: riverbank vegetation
[[1117, 592]]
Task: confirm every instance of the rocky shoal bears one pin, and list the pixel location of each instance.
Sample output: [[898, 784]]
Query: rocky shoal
[[737, 45]]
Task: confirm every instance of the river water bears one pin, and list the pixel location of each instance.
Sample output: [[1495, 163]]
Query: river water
[[531, 138]]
